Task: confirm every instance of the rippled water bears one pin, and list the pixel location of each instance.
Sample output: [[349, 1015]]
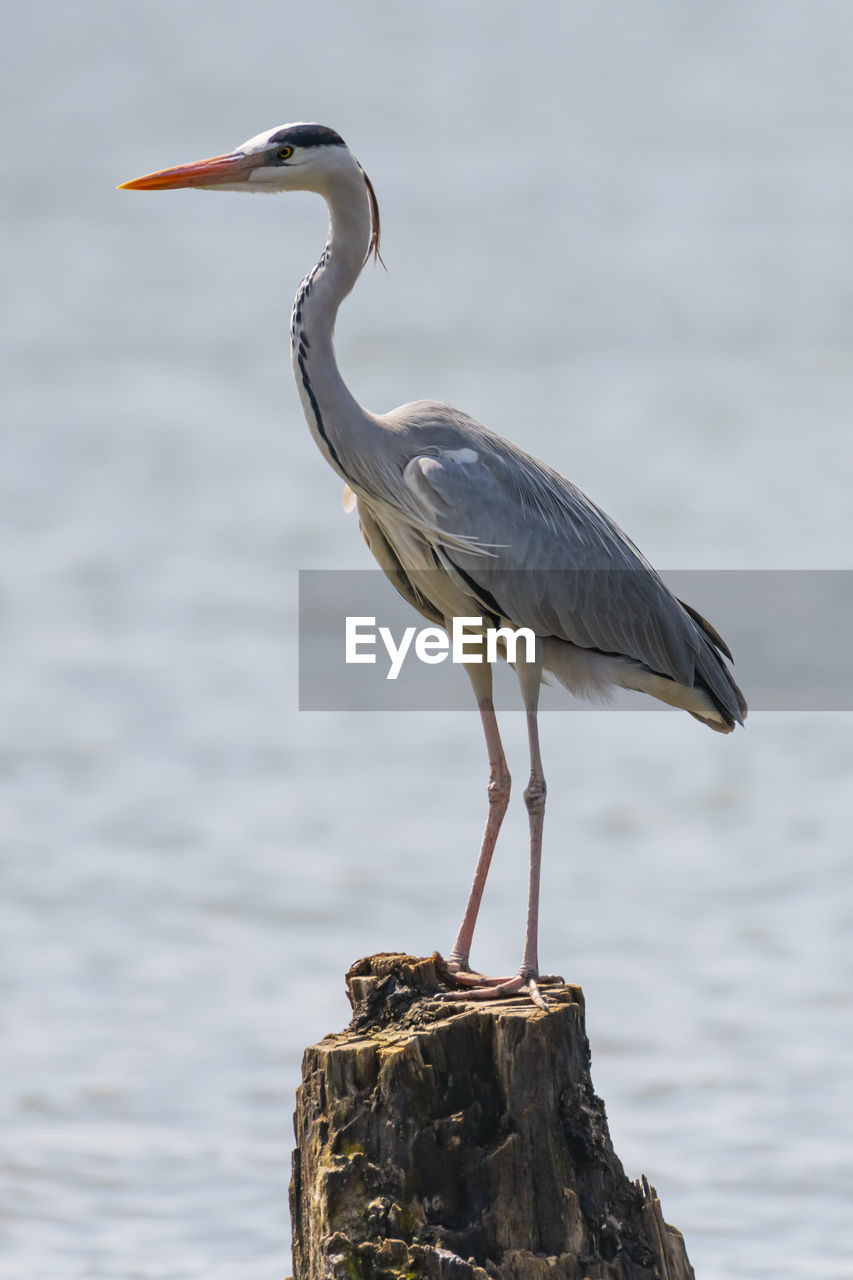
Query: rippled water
[[622, 239]]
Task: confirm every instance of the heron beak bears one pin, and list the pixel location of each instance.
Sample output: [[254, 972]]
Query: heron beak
[[217, 171]]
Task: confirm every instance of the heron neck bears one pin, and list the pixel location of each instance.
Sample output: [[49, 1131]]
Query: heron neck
[[336, 419]]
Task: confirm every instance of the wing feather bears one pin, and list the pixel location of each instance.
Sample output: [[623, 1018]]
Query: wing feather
[[555, 561], [479, 523]]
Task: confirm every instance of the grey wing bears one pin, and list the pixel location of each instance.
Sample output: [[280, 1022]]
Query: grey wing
[[537, 552]]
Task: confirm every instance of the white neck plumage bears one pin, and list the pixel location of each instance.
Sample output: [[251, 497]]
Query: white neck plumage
[[333, 414]]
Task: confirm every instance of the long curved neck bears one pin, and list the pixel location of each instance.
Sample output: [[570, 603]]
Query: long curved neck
[[337, 421]]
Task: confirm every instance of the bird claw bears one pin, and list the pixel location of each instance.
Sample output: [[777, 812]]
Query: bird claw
[[470, 978], [455, 972], [476, 987]]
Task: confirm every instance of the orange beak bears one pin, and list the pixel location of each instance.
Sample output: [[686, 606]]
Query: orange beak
[[217, 171]]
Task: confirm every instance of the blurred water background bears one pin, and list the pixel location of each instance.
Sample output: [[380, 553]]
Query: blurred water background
[[619, 234]]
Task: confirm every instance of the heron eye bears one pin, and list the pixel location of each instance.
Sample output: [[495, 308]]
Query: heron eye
[[284, 153]]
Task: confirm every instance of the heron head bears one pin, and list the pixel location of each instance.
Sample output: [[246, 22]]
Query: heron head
[[291, 157]]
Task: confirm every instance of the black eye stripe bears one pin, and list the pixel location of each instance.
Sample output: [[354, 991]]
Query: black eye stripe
[[307, 135]]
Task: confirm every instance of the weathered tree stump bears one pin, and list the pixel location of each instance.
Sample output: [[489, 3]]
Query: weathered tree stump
[[463, 1142]]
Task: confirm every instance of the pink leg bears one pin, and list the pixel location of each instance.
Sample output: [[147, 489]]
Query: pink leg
[[499, 788], [534, 797]]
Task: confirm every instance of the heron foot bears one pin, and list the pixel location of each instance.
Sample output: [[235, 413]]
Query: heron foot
[[471, 978], [476, 987]]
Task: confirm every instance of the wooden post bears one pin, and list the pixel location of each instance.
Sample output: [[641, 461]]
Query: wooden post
[[463, 1142]]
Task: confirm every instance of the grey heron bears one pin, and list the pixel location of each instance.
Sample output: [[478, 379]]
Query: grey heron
[[466, 524]]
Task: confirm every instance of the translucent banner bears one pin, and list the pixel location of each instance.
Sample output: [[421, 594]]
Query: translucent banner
[[362, 646]]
